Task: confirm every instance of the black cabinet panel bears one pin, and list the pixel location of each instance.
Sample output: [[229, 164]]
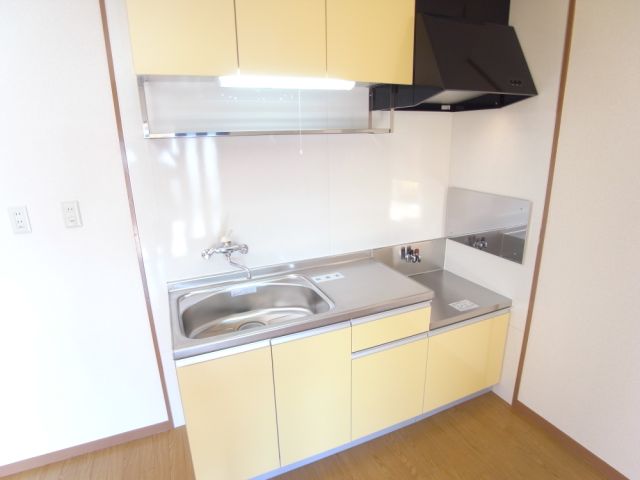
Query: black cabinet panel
[[491, 11]]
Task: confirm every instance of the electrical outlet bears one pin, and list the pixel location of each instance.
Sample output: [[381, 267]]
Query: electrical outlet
[[71, 214], [19, 218]]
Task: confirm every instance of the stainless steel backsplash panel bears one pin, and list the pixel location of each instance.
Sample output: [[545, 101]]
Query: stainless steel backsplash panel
[[495, 224]]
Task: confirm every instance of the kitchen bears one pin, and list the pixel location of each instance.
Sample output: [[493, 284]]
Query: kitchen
[[90, 359]]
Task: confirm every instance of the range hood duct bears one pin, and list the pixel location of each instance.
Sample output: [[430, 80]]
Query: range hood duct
[[460, 65]]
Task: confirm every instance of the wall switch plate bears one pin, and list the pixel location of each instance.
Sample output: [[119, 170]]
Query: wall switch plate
[[71, 214], [19, 218]]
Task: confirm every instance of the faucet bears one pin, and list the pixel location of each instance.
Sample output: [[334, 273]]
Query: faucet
[[478, 242], [410, 254], [228, 248]]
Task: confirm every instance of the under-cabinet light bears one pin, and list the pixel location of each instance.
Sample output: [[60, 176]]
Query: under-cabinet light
[[294, 83]]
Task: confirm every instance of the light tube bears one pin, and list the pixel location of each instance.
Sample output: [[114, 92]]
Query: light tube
[[292, 83]]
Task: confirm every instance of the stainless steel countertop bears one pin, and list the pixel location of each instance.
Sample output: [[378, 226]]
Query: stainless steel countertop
[[367, 287], [450, 288]]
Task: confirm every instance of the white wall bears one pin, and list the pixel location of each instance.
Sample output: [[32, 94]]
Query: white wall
[[77, 361], [507, 152], [581, 368], [343, 193]]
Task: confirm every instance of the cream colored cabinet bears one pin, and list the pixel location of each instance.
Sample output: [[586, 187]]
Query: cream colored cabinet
[[464, 360], [230, 413], [363, 40], [312, 374], [282, 37], [388, 368], [370, 40], [388, 384], [385, 327], [189, 37]]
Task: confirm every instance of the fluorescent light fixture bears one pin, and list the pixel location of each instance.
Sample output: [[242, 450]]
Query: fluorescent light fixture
[[293, 83]]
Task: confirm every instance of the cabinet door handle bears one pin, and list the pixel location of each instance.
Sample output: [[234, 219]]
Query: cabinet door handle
[[389, 346], [225, 352], [390, 313], [481, 318], [310, 333]]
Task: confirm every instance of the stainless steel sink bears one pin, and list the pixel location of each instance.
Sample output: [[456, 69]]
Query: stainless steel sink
[[248, 305]]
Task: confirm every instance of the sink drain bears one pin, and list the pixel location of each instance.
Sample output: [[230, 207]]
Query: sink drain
[[252, 324]]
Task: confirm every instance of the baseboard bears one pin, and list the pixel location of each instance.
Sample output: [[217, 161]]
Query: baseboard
[[67, 453], [596, 462]]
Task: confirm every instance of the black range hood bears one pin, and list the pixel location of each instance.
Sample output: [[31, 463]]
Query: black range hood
[[459, 65]]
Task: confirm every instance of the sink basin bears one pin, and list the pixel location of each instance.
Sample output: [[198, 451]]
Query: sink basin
[[251, 304]]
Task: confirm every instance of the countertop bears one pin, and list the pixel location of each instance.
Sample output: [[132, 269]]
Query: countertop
[[449, 289], [367, 287]]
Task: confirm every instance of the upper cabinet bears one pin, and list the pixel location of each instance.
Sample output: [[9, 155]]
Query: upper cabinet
[[282, 37], [367, 41], [370, 40], [190, 37]]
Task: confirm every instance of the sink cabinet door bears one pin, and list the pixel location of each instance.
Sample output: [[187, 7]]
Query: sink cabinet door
[[231, 415], [312, 373], [464, 360], [190, 37], [388, 384]]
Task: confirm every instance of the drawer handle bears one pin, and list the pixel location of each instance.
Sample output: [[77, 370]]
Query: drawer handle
[[390, 313], [389, 346]]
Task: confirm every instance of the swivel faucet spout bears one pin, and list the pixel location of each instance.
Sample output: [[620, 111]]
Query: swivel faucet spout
[[247, 270]]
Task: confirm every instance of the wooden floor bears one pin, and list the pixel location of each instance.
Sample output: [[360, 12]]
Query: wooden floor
[[480, 439]]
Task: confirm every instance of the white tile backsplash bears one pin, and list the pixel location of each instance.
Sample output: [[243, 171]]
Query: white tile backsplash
[[270, 191], [293, 197], [388, 189]]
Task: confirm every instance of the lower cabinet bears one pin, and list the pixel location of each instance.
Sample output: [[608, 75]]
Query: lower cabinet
[[312, 373], [251, 409], [230, 414], [388, 384], [464, 360]]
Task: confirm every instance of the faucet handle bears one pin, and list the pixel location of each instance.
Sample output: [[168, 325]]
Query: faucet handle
[[226, 237], [227, 248]]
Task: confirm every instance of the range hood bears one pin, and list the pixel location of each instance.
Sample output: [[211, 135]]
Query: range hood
[[460, 65]]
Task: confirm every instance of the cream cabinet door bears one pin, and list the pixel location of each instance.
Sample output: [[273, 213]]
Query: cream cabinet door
[[282, 37], [231, 415], [388, 384], [464, 360], [312, 373], [186, 37], [370, 40]]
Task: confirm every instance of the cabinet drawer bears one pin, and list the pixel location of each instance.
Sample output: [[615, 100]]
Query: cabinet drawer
[[384, 328]]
